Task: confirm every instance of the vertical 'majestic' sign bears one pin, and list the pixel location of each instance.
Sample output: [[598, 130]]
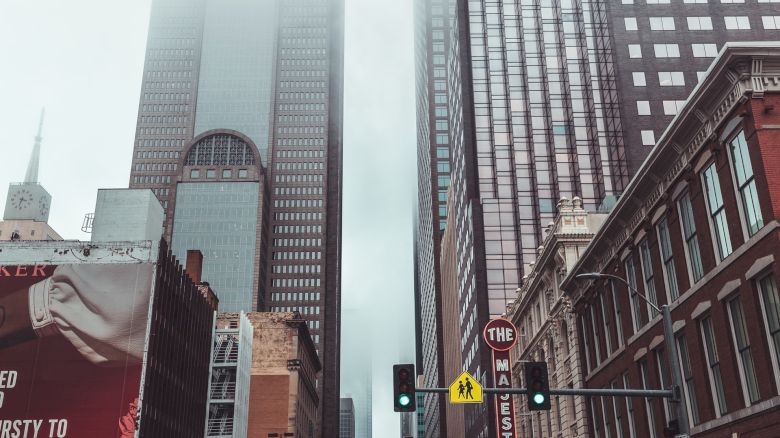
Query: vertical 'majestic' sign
[[501, 335]]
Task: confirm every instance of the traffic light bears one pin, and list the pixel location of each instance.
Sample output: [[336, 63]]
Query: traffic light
[[538, 386], [403, 388]]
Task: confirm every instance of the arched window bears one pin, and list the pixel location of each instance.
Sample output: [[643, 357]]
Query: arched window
[[220, 150]]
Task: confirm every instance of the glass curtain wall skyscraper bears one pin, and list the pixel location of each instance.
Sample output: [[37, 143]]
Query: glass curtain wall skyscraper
[[268, 75], [432, 19], [550, 99]]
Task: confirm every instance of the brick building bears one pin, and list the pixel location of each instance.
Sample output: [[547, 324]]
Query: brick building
[[547, 329], [696, 229], [284, 367]]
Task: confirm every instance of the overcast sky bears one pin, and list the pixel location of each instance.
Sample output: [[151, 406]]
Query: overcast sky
[[83, 60]]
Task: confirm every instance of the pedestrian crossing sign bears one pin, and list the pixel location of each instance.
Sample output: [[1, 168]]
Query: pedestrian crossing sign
[[465, 389]]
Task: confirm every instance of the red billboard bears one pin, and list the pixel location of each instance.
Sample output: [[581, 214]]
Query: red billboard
[[72, 341]]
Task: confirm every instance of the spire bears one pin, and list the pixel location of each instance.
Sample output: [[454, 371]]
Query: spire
[[32, 167]]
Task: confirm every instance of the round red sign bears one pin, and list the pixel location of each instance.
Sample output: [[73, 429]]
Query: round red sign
[[500, 334]]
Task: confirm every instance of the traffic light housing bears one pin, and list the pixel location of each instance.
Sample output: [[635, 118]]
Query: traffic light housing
[[538, 385], [403, 388]]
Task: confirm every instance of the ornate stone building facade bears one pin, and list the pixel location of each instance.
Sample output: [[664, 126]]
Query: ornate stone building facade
[[542, 314]]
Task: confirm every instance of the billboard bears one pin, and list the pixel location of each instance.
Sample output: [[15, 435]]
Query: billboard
[[72, 341]]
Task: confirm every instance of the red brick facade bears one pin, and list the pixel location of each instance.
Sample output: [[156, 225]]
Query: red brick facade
[[723, 312]]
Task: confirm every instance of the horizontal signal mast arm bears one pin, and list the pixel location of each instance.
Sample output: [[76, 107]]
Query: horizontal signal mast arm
[[664, 393]]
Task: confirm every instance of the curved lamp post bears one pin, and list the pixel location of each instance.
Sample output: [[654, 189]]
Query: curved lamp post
[[666, 316]]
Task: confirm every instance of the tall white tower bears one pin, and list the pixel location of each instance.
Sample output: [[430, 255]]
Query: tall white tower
[[27, 203]]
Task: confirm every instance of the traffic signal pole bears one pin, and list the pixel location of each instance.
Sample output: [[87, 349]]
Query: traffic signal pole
[[588, 392]]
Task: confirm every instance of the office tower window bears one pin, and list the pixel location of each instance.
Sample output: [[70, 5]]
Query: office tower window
[[627, 2], [737, 23], [742, 344], [661, 23], [746, 183], [695, 1], [639, 79], [700, 75], [658, 2], [717, 211], [692, 253], [771, 22], [690, 385], [699, 23], [713, 366], [630, 23], [671, 78], [672, 107], [643, 107], [705, 50], [770, 304], [648, 137], [667, 259], [634, 51], [666, 50], [735, 1]]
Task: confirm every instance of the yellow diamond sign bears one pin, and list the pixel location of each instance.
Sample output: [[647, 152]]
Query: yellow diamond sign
[[465, 389]]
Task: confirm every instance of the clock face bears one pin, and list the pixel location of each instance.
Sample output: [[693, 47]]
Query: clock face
[[43, 206], [22, 199]]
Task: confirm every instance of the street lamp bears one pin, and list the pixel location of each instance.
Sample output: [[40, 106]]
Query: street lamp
[[666, 316]]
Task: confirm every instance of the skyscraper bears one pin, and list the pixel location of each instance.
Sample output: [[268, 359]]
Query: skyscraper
[[239, 136], [547, 100]]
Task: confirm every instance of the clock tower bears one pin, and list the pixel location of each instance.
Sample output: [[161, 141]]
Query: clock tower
[[27, 204]]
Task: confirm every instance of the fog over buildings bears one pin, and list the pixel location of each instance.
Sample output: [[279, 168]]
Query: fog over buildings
[[83, 61]]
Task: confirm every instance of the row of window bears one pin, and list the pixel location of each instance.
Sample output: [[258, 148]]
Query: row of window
[[212, 173], [297, 229], [297, 178], [298, 153], [296, 296], [161, 142], [699, 50], [168, 85], [296, 255], [299, 166], [298, 216], [297, 190], [155, 167], [671, 107], [297, 242], [157, 179], [304, 73], [665, 78], [301, 118], [165, 108], [169, 74], [295, 282], [741, 22], [296, 269], [155, 155], [306, 52], [300, 130]]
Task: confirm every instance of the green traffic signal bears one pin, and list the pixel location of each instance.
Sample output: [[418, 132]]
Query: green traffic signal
[[538, 398], [403, 388]]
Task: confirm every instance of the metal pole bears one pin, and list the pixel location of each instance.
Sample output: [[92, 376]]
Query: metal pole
[[590, 392], [674, 367]]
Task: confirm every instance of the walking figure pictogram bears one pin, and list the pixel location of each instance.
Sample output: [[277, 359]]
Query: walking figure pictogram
[[461, 388], [469, 388]]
